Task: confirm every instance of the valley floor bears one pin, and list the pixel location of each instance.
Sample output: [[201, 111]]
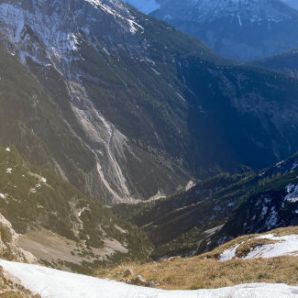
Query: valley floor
[[58, 284]]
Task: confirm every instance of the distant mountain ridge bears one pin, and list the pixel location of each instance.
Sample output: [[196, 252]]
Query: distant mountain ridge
[[292, 3], [286, 63], [242, 30]]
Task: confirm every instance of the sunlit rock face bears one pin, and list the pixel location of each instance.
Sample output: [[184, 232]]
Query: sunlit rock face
[[141, 109], [89, 44]]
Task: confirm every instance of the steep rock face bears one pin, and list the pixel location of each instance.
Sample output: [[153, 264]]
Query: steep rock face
[[70, 55], [242, 30], [274, 205], [127, 108], [8, 244]]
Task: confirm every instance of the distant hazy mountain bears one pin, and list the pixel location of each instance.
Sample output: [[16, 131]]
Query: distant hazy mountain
[[286, 63], [292, 3], [145, 6], [242, 29]]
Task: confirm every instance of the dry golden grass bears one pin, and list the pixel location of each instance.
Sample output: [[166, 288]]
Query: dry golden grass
[[197, 273], [205, 271], [284, 231]]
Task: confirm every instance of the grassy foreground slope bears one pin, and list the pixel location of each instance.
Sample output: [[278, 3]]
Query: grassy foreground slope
[[207, 271]]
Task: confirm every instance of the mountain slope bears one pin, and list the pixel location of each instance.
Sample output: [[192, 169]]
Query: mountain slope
[[134, 109], [286, 63], [274, 205], [90, 67], [219, 209], [242, 30], [291, 3], [57, 223]]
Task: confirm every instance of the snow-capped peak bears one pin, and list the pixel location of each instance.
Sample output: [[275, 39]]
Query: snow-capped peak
[[209, 10]]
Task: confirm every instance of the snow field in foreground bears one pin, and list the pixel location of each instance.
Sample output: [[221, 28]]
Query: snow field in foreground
[[59, 284]]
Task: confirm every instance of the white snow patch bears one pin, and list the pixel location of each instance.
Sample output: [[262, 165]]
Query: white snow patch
[[159, 195], [229, 254], [41, 179], [292, 195], [294, 166], [239, 20], [9, 171], [284, 246], [58, 284], [272, 219], [121, 230], [190, 184], [2, 195], [133, 26], [81, 211]]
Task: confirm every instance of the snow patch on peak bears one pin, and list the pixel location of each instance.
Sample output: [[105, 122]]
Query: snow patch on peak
[[95, 3], [116, 9]]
